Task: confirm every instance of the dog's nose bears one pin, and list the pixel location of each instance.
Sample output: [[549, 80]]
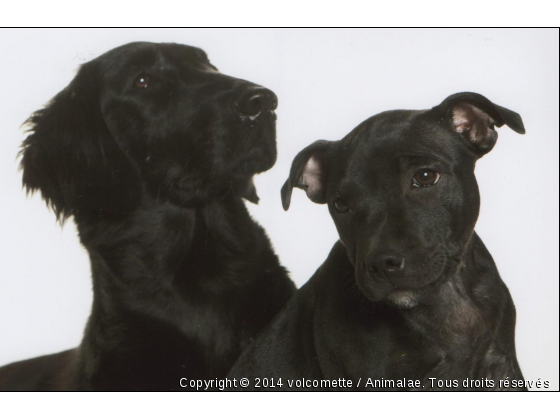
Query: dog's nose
[[254, 101], [388, 262]]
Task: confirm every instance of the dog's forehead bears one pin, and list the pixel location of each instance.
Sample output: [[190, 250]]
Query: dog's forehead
[[384, 138], [147, 54]]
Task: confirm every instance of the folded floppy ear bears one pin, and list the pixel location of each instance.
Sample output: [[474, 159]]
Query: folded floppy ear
[[72, 158], [309, 172], [474, 117]]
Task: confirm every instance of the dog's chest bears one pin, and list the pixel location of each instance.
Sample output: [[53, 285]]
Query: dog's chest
[[386, 346], [363, 352]]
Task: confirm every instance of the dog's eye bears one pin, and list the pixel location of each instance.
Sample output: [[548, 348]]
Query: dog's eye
[[425, 178], [341, 206], [142, 81]]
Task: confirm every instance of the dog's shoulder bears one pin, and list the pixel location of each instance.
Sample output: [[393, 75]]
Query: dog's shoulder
[[285, 348], [492, 296], [488, 282]]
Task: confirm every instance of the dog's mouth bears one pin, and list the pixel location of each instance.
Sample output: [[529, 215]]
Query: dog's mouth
[[258, 159], [404, 298], [408, 290], [385, 291], [255, 151]]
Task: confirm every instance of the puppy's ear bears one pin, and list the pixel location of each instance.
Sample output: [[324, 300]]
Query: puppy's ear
[[475, 118], [309, 173], [72, 158]]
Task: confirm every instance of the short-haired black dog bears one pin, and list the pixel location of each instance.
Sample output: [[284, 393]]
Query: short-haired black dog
[[151, 150], [409, 291]]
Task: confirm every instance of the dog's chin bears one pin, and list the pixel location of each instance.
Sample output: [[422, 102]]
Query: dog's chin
[[257, 160], [374, 289], [399, 298], [402, 298], [378, 289]]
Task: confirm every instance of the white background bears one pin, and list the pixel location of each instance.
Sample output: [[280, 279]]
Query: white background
[[327, 81]]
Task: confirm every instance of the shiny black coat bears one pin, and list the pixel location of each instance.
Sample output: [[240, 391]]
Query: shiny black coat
[[410, 290], [151, 150]]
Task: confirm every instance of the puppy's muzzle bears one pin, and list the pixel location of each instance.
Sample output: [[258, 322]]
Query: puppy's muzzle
[[385, 271], [387, 264]]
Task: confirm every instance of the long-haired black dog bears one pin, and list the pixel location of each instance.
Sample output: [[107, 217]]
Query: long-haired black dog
[[151, 150], [409, 296]]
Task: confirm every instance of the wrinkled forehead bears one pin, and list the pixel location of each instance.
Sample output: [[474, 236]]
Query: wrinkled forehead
[[390, 139]]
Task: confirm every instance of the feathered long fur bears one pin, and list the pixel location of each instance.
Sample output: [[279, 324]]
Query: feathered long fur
[[154, 175]]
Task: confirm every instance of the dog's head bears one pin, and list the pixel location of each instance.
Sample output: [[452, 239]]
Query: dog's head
[[402, 192], [153, 118]]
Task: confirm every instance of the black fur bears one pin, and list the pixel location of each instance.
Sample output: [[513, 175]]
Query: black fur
[[410, 290], [151, 150]]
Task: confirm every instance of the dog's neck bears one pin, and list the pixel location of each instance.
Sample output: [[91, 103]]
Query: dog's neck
[[450, 309], [151, 283]]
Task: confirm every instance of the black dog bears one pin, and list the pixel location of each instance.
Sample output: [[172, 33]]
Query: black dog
[[151, 150], [409, 292]]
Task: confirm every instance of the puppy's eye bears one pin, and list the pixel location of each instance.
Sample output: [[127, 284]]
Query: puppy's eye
[[426, 178], [142, 81], [341, 206]]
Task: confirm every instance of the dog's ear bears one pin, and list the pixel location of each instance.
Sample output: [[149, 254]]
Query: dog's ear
[[71, 157], [474, 117], [309, 172]]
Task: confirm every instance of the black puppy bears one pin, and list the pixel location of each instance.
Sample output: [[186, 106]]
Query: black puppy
[[409, 291], [151, 150]]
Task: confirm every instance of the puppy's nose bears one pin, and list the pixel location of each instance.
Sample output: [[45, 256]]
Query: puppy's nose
[[254, 101], [388, 262]]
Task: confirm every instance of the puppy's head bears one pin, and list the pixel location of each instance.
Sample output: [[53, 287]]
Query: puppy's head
[[154, 118], [402, 192]]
